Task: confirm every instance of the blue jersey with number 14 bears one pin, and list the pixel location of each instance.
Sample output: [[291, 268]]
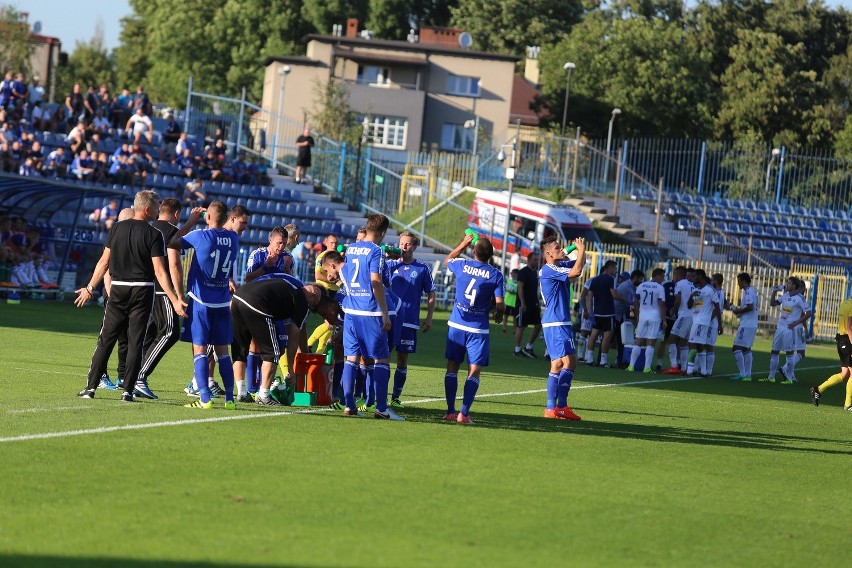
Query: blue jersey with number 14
[[215, 252]]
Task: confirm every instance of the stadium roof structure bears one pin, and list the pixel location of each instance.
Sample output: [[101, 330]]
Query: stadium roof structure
[[39, 199]]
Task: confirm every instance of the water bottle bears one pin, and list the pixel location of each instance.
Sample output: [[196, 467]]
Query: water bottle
[[570, 248], [390, 249], [470, 231], [329, 355], [341, 249]]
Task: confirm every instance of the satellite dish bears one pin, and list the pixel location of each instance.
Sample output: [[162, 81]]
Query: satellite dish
[[465, 40], [37, 27]]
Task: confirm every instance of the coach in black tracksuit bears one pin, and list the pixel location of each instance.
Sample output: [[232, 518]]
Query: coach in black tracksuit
[[133, 254], [164, 330]]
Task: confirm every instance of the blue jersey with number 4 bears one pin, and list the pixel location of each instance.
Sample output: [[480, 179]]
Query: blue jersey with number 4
[[362, 259], [215, 252], [476, 284]]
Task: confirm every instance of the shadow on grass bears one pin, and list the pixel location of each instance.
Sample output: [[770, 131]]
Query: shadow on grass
[[727, 438], [35, 561]]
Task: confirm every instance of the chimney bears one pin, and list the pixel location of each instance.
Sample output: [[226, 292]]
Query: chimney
[[531, 71], [352, 27]]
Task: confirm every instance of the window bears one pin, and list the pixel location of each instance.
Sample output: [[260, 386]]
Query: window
[[456, 137], [372, 75], [385, 131], [464, 86]]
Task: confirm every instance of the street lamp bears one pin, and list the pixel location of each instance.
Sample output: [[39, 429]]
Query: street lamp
[[283, 74], [615, 112], [775, 152], [569, 67], [510, 175], [474, 123]]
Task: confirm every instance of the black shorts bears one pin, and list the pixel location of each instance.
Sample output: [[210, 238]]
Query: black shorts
[[844, 350], [604, 323], [511, 310], [532, 316]]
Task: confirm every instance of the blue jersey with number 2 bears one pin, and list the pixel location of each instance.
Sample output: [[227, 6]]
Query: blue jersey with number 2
[[215, 252]]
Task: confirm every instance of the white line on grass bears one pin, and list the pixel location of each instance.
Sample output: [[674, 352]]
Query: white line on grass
[[107, 429]]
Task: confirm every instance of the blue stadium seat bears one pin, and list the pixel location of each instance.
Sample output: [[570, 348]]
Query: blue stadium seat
[[841, 214], [845, 239], [808, 235], [286, 195], [265, 221], [818, 249], [749, 205], [806, 248], [796, 233], [831, 250], [763, 207], [770, 230]]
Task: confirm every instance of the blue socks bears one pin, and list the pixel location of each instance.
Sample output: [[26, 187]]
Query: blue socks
[[399, 377], [347, 381], [200, 371], [253, 363], [381, 378], [470, 387], [226, 371], [451, 386], [552, 386], [360, 381], [565, 378], [370, 385]]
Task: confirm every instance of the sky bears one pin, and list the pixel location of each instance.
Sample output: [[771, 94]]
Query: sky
[[74, 21]]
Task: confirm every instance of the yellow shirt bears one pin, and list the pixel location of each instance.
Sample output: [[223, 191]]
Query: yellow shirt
[[843, 313], [321, 276]]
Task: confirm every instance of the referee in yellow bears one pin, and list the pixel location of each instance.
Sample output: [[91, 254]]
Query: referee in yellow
[[844, 349]]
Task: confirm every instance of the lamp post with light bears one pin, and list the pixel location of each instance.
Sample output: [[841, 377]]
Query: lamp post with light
[[283, 74], [615, 112], [510, 175]]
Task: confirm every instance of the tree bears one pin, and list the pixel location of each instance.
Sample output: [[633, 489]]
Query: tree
[[131, 56], [645, 67], [334, 117], [767, 88], [89, 64], [509, 26], [15, 46], [323, 14], [391, 19]]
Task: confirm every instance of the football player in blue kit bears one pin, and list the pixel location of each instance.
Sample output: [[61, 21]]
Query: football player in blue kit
[[410, 279], [555, 286], [367, 320], [209, 314], [477, 282]]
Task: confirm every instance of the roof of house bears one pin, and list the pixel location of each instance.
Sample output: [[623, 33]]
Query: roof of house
[[408, 46], [524, 96], [293, 60]]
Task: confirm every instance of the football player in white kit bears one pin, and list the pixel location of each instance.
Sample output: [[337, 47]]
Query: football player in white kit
[[716, 282], [794, 311], [799, 340], [702, 301], [678, 340], [744, 338], [649, 304]]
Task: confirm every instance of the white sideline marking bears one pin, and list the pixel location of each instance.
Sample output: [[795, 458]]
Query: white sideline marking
[[107, 429]]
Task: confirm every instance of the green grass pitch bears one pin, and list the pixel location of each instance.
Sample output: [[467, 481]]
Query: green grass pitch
[[660, 472]]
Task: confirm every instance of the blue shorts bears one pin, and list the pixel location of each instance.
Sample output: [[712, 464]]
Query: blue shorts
[[407, 342], [474, 345], [394, 333], [206, 326], [363, 335], [281, 330], [559, 340]]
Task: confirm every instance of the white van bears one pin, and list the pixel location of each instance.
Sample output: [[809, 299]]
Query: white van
[[533, 219]]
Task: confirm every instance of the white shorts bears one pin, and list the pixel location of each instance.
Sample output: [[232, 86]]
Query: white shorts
[[699, 334], [799, 342], [784, 339], [714, 333], [586, 325], [745, 337], [682, 327], [648, 329]]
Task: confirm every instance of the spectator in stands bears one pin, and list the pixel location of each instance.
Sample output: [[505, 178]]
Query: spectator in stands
[[35, 94], [54, 165], [83, 167], [94, 143], [12, 156], [74, 108], [57, 121], [171, 135], [101, 173], [6, 90], [138, 171], [182, 144], [294, 235], [106, 216], [119, 171], [77, 138], [141, 101], [40, 116], [186, 162], [141, 126], [192, 194], [90, 105], [220, 149], [303, 260], [27, 168], [210, 141], [142, 157], [100, 124], [304, 143], [19, 96], [213, 167], [36, 154]]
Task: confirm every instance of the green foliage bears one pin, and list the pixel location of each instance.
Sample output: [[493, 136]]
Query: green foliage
[[389, 19], [843, 141], [323, 14], [131, 56], [15, 46], [89, 64], [743, 159], [645, 67], [508, 26], [335, 119]]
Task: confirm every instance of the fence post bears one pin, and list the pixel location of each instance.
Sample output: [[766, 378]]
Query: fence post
[[240, 122], [576, 158], [188, 106], [425, 192], [701, 166], [618, 176], [366, 182], [701, 241], [659, 212], [814, 290], [341, 171], [780, 174]]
